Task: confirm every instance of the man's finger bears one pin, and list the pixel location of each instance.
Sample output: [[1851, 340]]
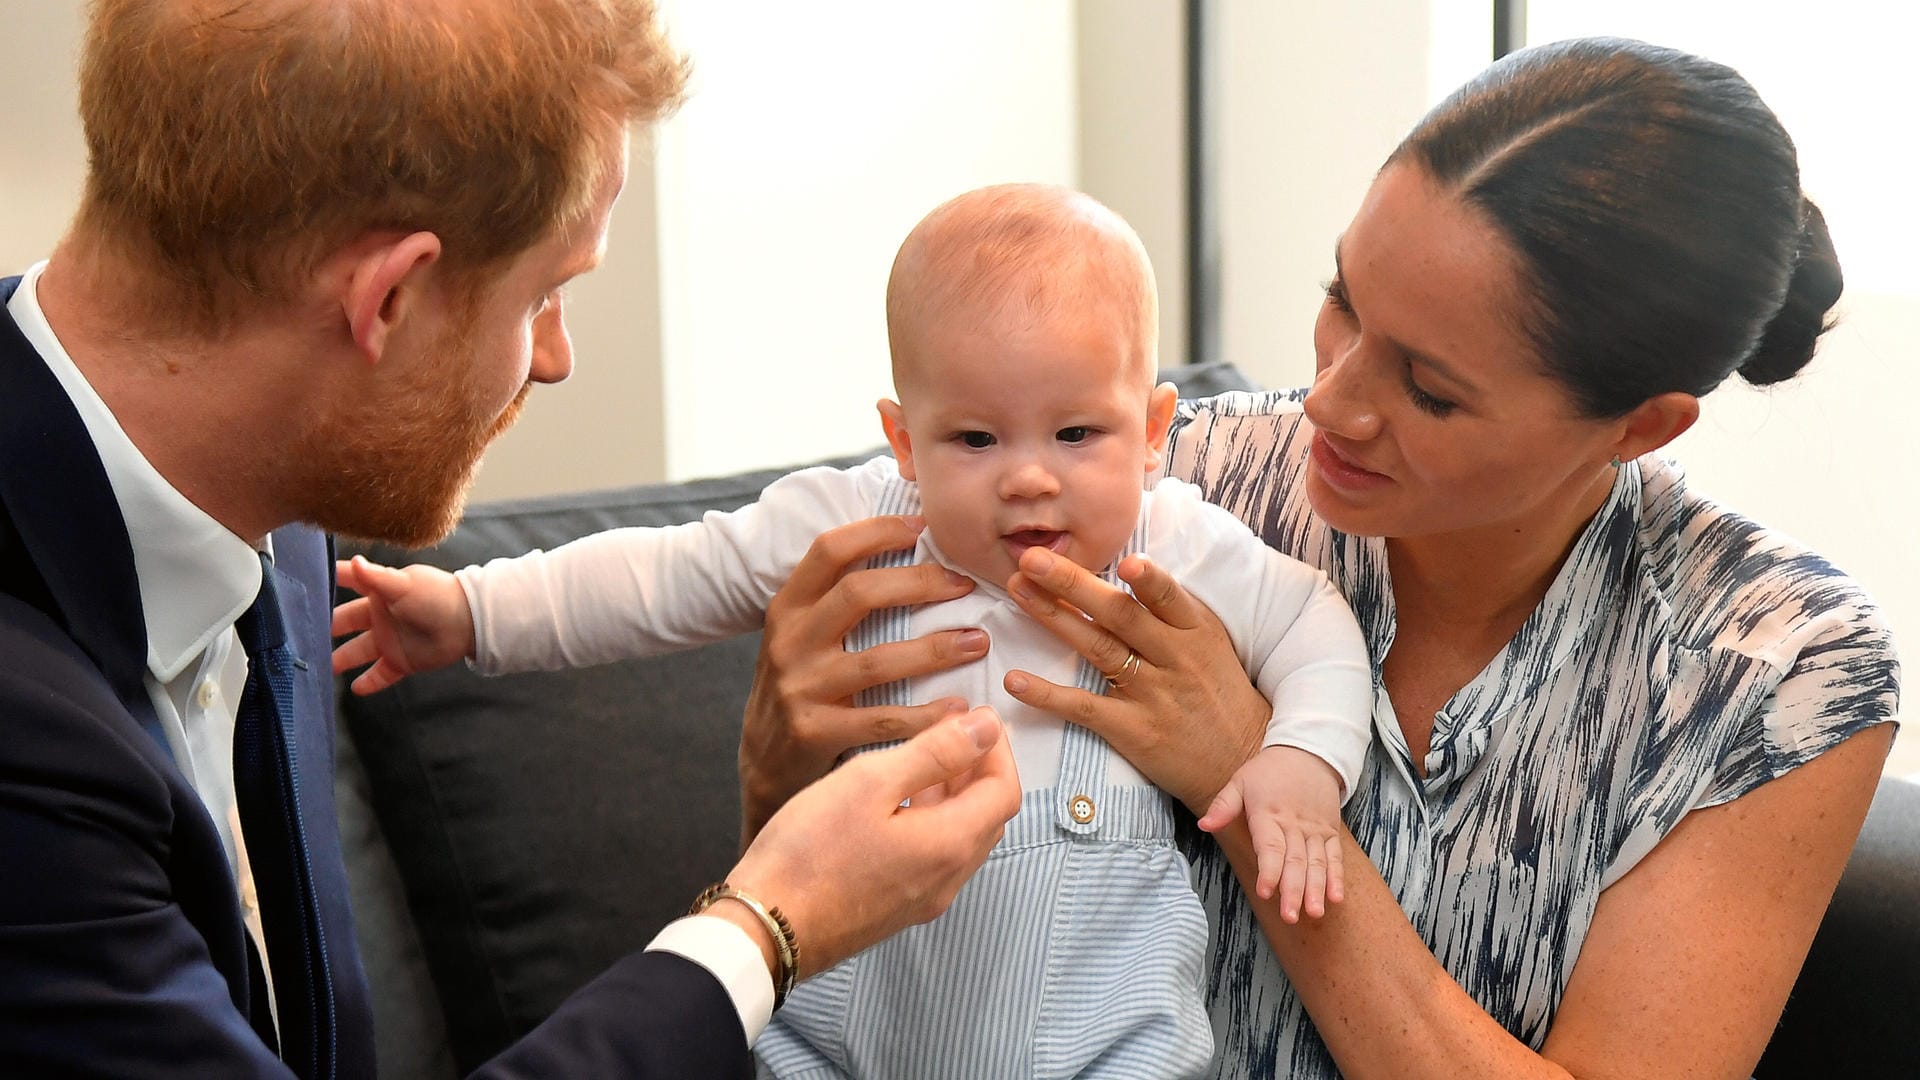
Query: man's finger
[[937, 754], [981, 800]]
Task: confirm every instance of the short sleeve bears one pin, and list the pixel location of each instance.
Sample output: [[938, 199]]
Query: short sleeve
[[1844, 679]]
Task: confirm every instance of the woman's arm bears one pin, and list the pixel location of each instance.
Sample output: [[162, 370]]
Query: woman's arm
[[1687, 962], [1711, 928], [1683, 973]]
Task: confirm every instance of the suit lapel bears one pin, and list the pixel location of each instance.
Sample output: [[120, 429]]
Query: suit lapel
[[66, 521], [64, 543]]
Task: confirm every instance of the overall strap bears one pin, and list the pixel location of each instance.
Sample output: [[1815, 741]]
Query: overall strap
[[901, 496], [1083, 755]]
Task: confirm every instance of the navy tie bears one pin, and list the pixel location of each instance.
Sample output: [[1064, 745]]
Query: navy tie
[[266, 771]]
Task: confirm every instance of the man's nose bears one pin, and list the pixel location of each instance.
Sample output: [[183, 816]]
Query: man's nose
[[552, 347]]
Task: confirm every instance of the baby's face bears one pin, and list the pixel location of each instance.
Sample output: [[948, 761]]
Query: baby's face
[[1030, 437]]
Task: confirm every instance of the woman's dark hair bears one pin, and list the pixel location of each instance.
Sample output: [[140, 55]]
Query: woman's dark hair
[[1655, 203]]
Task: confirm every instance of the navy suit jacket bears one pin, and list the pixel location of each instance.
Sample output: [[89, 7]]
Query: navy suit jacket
[[122, 951]]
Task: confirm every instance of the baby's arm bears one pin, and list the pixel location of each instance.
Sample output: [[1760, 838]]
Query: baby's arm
[[632, 592], [1291, 628], [404, 621], [1291, 800], [1300, 643]]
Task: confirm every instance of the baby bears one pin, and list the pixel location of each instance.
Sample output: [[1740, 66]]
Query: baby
[[1022, 322]]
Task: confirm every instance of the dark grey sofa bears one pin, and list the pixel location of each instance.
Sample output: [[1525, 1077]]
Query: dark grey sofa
[[509, 838]]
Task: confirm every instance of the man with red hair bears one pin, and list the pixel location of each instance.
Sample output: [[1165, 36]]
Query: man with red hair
[[316, 268]]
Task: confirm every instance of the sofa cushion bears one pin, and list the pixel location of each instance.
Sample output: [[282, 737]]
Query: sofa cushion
[[1851, 1013], [545, 824]]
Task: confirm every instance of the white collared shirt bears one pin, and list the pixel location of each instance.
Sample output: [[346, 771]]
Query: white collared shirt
[[196, 579]]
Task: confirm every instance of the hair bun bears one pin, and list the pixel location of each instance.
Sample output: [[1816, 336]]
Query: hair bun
[[1788, 341]]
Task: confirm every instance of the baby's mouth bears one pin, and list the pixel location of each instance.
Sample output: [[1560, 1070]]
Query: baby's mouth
[[1051, 539]]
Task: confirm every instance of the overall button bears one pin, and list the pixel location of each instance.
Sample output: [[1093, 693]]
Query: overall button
[[1081, 809], [207, 694]]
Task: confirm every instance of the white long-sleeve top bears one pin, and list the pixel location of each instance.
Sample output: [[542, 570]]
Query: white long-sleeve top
[[636, 592]]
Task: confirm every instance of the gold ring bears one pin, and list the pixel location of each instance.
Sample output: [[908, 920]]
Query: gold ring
[[1128, 669]]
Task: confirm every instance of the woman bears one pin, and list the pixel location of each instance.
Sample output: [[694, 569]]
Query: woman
[[1625, 738]]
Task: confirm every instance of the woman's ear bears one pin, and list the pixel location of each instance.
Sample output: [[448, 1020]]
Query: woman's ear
[[384, 287], [893, 420], [1160, 407], [1656, 422]]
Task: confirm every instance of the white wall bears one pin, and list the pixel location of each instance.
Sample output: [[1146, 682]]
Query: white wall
[[1133, 128], [816, 136], [1830, 457], [1313, 97], [42, 155]]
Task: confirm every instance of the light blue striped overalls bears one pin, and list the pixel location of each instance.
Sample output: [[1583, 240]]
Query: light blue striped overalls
[[1076, 951]]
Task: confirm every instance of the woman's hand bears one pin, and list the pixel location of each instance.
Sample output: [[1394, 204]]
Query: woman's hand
[[800, 715], [1188, 716]]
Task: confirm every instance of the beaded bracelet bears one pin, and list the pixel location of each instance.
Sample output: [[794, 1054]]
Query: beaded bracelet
[[786, 949]]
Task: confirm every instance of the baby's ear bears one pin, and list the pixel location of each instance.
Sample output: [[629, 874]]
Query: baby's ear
[[893, 421], [1160, 406]]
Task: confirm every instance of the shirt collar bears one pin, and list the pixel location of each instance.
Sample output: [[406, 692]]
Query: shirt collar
[[196, 577]]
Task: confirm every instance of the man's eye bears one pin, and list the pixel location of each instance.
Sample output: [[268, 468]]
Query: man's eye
[[1074, 434], [976, 440]]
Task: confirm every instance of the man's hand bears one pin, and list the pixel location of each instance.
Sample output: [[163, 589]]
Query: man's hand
[[850, 866], [800, 717], [405, 621]]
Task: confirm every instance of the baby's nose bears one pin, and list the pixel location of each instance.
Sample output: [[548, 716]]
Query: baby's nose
[[1029, 480]]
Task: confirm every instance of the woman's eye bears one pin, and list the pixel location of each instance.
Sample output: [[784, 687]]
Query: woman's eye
[[1425, 402], [1074, 434], [975, 440], [1336, 291]]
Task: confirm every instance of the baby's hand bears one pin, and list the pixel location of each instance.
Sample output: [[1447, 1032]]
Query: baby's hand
[[405, 621], [1291, 800]]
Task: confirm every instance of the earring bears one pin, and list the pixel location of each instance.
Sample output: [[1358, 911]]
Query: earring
[[1615, 462]]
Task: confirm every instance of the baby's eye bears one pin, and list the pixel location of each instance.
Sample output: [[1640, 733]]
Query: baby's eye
[[975, 440], [1074, 434]]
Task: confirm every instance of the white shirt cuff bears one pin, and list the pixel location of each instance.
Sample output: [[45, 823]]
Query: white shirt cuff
[[733, 957]]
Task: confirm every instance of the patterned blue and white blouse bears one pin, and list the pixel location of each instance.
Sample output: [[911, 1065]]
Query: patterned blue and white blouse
[[1683, 657]]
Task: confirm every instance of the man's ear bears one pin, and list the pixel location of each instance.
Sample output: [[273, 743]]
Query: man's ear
[[1654, 423], [384, 287], [893, 421], [1160, 405]]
